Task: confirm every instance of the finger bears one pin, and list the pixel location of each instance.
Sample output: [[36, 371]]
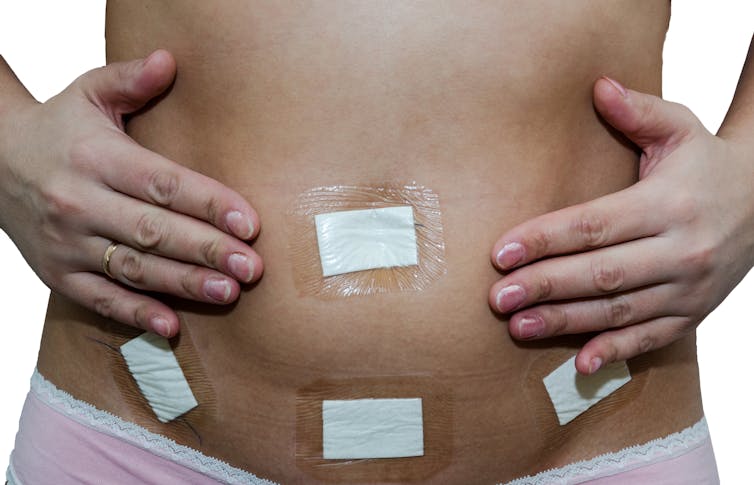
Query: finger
[[623, 216], [597, 314], [124, 87], [145, 175], [626, 343], [594, 273], [648, 121], [110, 300], [149, 272], [161, 232]]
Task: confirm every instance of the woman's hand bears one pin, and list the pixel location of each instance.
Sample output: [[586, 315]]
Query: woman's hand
[[645, 265], [72, 182]]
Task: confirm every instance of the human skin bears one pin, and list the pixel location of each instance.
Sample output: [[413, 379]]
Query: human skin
[[594, 179], [643, 291]]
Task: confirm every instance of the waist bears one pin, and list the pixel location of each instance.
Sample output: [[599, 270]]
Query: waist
[[110, 445], [254, 362]]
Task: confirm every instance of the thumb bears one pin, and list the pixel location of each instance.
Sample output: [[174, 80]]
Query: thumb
[[124, 87], [648, 121]]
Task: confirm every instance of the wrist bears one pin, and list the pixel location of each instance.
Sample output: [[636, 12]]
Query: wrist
[[12, 125]]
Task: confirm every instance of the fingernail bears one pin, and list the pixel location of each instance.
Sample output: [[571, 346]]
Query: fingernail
[[217, 289], [161, 326], [149, 58], [510, 255], [240, 224], [594, 365], [529, 327], [509, 298], [241, 267], [623, 92]]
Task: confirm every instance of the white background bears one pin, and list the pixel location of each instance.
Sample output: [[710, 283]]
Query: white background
[[49, 43]]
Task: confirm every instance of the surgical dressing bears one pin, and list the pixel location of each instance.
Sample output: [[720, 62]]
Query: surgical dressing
[[386, 429], [348, 240], [365, 239], [156, 371], [372, 428], [572, 393]]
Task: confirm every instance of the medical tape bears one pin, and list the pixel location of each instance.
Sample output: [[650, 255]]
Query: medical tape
[[375, 429], [572, 393], [360, 240], [156, 371]]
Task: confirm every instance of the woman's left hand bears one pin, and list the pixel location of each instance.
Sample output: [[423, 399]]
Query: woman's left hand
[[643, 266]]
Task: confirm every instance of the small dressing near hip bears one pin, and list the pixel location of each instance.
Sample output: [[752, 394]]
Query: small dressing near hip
[[358, 240], [372, 428], [153, 365], [572, 393]]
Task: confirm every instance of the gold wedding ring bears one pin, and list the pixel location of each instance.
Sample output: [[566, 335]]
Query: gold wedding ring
[[106, 259]]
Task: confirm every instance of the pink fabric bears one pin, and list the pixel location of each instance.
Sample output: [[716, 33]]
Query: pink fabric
[[697, 466], [54, 449], [65, 441]]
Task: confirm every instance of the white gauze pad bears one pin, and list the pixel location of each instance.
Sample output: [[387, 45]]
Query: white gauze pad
[[572, 393], [372, 428], [358, 240], [152, 363]]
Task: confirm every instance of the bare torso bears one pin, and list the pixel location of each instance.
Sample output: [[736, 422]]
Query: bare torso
[[486, 103]]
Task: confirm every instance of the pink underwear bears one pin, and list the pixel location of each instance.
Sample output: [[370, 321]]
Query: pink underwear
[[65, 441]]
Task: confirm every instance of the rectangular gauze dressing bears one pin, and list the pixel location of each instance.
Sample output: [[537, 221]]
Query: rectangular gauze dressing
[[358, 240], [572, 393], [372, 428], [153, 365]]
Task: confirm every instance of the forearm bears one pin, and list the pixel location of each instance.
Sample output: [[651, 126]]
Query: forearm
[[739, 122]]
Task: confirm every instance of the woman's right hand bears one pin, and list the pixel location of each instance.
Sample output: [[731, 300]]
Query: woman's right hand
[[72, 182]]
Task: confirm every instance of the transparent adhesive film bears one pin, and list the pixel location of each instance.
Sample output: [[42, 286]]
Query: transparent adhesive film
[[359, 240]]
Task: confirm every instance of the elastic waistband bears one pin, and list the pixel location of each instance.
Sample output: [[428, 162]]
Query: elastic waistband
[[631, 458]]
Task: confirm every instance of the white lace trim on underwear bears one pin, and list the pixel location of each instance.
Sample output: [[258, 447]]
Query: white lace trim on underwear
[[109, 424], [624, 460], [627, 459]]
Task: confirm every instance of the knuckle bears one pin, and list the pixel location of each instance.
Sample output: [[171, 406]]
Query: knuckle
[[591, 229], [163, 187], [59, 205], [646, 343], [618, 311], [210, 251], [685, 207], [687, 324], [701, 260], [212, 208], [82, 153], [141, 315], [132, 267], [190, 281], [52, 276], [686, 113], [539, 243], [607, 278], [103, 305], [149, 231], [558, 321], [648, 109], [544, 288]]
